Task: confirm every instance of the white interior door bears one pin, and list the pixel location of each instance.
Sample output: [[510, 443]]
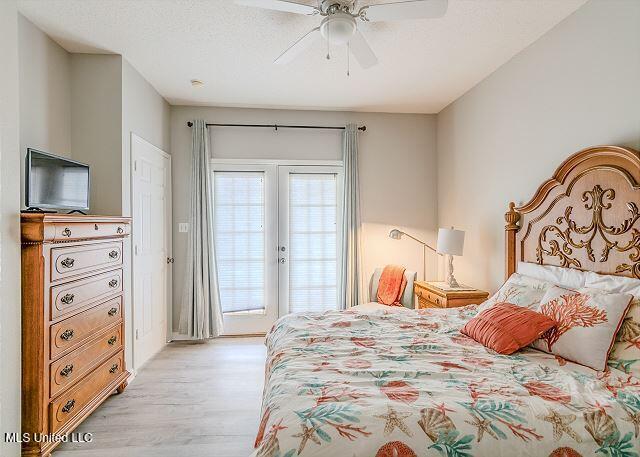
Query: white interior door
[[245, 208], [151, 239], [309, 237]]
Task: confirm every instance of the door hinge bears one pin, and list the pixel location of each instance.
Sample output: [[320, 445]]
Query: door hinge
[[135, 165], [137, 334], [135, 249]]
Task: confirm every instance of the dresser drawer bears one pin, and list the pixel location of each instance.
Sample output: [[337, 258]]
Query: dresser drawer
[[78, 231], [71, 296], [71, 403], [73, 332], [75, 260], [75, 365]]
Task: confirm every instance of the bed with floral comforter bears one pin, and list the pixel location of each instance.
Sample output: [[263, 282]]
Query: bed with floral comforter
[[407, 383]]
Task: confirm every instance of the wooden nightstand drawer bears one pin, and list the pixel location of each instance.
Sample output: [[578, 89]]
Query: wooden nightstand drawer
[[430, 296], [428, 299]]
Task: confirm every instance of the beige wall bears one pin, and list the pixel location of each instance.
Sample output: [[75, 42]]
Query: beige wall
[[397, 171], [10, 164], [45, 93], [577, 86], [96, 119]]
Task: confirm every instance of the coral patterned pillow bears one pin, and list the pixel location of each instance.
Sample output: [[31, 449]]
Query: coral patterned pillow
[[518, 290], [586, 324], [625, 354], [506, 328]]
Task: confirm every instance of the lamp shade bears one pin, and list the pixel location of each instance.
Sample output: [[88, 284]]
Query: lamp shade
[[450, 241], [395, 234]]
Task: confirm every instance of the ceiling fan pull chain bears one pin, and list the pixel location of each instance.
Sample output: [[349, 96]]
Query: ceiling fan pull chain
[[329, 44], [348, 60]]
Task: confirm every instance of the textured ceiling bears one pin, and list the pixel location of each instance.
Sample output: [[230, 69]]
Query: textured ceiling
[[424, 64]]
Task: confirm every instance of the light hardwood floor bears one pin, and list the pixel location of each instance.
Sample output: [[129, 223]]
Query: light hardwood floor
[[190, 400]]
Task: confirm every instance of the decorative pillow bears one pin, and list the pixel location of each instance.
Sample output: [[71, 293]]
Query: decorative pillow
[[518, 290], [506, 328], [625, 354], [587, 321], [563, 277]]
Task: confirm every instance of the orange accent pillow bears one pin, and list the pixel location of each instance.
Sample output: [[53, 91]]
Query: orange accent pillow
[[505, 327]]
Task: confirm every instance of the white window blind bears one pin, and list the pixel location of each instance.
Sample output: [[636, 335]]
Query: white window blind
[[239, 203], [313, 262]]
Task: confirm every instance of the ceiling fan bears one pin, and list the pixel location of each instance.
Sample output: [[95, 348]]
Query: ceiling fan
[[340, 23]]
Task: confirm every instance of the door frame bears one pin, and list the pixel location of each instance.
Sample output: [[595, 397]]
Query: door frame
[[169, 240], [283, 222]]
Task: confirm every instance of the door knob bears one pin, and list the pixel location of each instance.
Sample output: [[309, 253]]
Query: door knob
[[170, 259], [283, 260]]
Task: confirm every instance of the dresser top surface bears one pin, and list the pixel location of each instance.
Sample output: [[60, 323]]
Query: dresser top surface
[[57, 218]]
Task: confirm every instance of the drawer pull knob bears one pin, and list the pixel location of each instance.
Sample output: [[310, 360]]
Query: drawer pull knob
[[112, 340], [113, 368], [120, 231], [66, 232], [67, 299], [69, 406], [113, 283], [112, 311], [68, 262], [95, 226], [66, 371], [113, 254], [67, 334]]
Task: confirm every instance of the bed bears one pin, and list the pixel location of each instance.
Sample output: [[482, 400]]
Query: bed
[[395, 382]]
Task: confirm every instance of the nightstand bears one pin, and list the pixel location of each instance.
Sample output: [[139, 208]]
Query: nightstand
[[431, 296]]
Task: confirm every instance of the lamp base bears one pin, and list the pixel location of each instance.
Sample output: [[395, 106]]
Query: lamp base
[[451, 280], [452, 283]]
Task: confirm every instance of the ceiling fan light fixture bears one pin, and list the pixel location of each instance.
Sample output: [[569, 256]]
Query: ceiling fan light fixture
[[338, 28]]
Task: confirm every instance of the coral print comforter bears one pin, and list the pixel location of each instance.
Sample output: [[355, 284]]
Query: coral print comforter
[[405, 383]]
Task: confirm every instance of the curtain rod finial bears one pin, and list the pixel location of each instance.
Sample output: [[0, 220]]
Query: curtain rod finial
[[189, 124], [363, 128]]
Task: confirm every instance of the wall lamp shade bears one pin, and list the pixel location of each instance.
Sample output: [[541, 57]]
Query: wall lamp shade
[[450, 241], [395, 234]]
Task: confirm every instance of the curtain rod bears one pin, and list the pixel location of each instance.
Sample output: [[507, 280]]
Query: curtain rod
[[276, 126]]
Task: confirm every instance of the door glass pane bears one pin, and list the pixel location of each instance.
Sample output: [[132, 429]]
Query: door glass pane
[[313, 263], [239, 203]]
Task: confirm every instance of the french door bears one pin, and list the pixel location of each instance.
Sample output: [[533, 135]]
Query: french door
[[277, 241]]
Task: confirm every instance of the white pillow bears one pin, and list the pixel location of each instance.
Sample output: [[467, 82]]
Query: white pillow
[[564, 277], [612, 283]]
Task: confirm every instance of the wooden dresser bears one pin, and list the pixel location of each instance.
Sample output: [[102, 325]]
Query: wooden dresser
[[431, 296], [72, 320]]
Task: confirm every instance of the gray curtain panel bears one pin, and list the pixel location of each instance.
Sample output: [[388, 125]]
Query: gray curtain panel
[[201, 313], [350, 287]]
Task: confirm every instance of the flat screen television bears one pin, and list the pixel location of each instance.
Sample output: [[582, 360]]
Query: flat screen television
[[54, 182]]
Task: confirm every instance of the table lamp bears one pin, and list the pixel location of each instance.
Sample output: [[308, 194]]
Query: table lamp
[[450, 242]]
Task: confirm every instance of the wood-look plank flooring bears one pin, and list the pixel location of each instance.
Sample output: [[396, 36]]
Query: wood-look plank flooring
[[190, 400]]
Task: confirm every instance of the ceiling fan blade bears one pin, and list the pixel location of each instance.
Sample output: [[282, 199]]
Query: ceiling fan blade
[[362, 51], [298, 47], [415, 9], [281, 5]]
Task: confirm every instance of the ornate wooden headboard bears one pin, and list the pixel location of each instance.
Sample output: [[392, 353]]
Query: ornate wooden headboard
[[586, 216]]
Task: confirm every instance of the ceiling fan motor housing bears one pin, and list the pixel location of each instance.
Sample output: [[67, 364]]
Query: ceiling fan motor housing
[[338, 28]]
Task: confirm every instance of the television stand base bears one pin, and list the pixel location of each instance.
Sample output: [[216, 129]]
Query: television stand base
[[77, 211], [37, 210]]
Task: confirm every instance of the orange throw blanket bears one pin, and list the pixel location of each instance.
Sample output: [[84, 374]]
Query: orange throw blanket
[[391, 285]]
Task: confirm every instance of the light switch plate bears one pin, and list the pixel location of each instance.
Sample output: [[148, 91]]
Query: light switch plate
[[183, 227]]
